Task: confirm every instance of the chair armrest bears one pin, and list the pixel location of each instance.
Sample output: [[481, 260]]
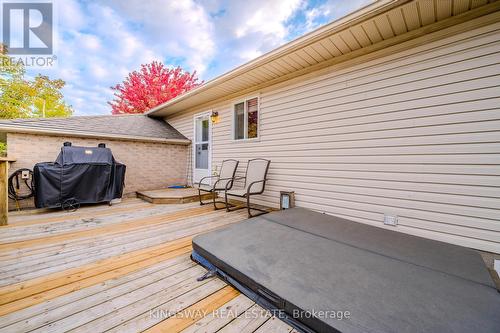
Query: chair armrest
[[256, 182], [232, 181], [218, 180], [201, 180]]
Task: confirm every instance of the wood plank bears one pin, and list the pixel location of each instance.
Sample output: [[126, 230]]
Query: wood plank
[[181, 267], [47, 249], [113, 229], [127, 242], [175, 284], [20, 290], [140, 218], [133, 240], [35, 213], [45, 312], [222, 316], [4, 196], [119, 281], [68, 249], [67, 288], [52, 289], [98, 246], [195, 312], [274, 325], [17, 233], [169, 237], [249, 321], [149, 311], [81, 215]]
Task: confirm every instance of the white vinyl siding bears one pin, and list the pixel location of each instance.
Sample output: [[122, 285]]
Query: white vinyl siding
[[415, 134]]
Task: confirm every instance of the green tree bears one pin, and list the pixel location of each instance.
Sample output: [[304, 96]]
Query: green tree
[[26, 98]]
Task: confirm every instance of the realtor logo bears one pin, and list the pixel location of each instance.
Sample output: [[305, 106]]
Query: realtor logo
[[27, 28]]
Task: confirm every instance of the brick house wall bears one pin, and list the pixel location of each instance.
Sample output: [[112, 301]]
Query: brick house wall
[[150, 165]]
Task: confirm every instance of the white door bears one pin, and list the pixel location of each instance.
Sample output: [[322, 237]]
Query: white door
[[201, 147]]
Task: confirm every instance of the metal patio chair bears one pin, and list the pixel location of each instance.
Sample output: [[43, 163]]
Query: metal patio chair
[[255, 183], [224, 180]]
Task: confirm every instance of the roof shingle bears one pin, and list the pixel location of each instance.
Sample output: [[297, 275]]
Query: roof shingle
[[121, 126]]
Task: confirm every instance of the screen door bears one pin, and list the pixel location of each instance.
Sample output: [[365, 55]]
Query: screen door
[[201, 147]]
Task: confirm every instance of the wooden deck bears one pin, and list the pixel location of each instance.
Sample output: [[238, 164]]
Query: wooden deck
[[124, 268]]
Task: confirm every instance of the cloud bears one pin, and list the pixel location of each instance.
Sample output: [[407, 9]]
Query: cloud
[[109, 39], [90, 42], [315, 16], [175, 29], [265, 17], [70, 15], [247, 29]]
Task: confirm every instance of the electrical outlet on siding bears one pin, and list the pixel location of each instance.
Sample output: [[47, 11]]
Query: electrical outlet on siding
[[390, 219]]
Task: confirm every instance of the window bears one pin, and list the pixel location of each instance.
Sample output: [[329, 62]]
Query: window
[[246, 119]]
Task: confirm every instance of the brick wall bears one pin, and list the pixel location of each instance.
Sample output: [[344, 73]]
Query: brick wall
[[149, 165]]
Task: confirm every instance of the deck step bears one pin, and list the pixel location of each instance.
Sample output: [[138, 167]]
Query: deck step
[[172, 196]]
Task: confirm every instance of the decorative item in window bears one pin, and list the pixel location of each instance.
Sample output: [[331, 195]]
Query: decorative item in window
[[287, 199], [214, 117], [246, 119]]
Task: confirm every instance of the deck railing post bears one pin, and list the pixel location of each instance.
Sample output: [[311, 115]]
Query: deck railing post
[[4, 198], [4, 194]]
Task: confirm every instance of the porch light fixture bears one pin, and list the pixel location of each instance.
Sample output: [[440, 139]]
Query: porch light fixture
[[214, 117], [287, 199]]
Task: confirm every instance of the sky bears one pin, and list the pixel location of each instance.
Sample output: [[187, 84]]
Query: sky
[[100, 42]]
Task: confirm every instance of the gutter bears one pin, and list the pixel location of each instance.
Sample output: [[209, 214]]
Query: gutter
[[20, 129]]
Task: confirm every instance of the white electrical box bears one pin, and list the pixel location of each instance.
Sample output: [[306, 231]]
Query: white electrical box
[[390, 219], [25, 174]]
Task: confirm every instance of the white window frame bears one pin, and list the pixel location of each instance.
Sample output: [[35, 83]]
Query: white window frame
[[245, 115]]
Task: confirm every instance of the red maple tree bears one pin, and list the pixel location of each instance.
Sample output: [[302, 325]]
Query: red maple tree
[[152, 85]]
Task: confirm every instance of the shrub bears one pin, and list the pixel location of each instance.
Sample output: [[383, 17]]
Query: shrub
[[3, 149]]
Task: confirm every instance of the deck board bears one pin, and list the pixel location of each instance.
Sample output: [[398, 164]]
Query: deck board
[[62, 259], [249, 321], [20, 230], [68, 257], [222, 316], [109, 268]]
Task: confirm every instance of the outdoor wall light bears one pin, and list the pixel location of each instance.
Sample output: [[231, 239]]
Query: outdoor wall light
[[287, 199], [214, 117]]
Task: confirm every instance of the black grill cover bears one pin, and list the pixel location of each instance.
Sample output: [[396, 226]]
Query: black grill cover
[[83, 174]]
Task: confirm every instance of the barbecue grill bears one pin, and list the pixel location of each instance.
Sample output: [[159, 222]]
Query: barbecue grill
[[80, 175]]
